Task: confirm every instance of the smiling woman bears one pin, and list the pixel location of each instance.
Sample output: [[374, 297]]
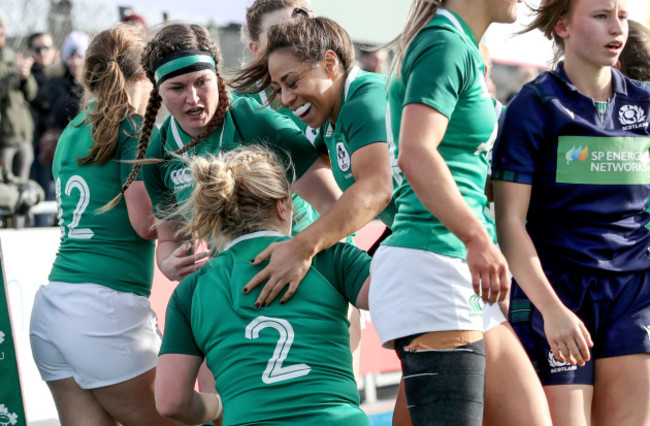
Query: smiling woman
[[260, 16], [309, 64]]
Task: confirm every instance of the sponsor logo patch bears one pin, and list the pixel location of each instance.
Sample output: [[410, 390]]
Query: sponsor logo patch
[[181, 178], [603, 160]]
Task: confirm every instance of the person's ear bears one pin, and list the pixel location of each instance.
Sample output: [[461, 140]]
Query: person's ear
[[561, 26], [254, 47], [331, 63], [283, 208]]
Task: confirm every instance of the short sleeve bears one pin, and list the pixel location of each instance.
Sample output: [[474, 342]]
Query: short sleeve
[[364, 115], [434, 70], [178, 337], [346, 267], [520, 139], [152, 174]]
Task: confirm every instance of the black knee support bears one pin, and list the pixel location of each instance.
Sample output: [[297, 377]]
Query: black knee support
[[445, 386]]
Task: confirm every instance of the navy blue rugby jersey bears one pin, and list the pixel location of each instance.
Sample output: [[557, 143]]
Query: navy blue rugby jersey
[[590, 173]]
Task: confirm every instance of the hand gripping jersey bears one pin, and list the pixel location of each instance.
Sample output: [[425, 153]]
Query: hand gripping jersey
[[443, 69], [169, 182], [281, 364], [360, 122], [303, 213], [590, 174], [98, 248]]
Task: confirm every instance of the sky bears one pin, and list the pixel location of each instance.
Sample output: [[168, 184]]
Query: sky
[[371, 21]]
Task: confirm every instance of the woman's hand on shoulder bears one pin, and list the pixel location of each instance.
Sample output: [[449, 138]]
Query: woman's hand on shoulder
[[289, 262]]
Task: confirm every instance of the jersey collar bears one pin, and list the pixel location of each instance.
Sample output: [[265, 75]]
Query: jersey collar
[[348, 81], [180, 138], [352, 75], [265, 233], [618, 83], [445, 18]]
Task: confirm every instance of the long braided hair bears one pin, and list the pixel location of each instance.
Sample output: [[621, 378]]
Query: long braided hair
[[173, 38]]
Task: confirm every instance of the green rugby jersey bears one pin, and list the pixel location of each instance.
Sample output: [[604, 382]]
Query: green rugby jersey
[[282, 364], [98, 248], [169, 182], [361, 121], [443, 69]]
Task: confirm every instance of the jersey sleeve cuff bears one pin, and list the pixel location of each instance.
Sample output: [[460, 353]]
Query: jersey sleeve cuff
[[512, 176]]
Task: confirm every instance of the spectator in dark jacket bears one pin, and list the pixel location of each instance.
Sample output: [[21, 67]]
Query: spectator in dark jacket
[[46, 66], [65, 92], [41, 48]]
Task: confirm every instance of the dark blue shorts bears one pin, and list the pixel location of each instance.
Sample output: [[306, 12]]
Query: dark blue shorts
[[615, 308]]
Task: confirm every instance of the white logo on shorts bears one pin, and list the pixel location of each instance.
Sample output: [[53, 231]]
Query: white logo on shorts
[[342, 157], [475, 306], [558, 366], [182, 178], [2, 337], [647, 330]]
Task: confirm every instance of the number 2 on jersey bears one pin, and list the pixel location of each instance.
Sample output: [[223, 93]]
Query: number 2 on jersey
[[78, 183], [274, 371]]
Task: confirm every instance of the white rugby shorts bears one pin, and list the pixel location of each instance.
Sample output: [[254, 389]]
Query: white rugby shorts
[[96, 335], [417, 291]]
